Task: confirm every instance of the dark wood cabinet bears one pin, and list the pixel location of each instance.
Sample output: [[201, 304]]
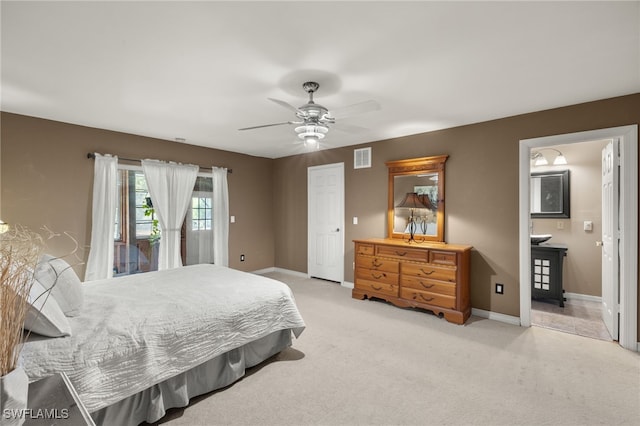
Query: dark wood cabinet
[[546, 272]]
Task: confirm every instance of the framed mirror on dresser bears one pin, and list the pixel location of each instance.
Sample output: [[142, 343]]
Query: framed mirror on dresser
[[414, 266], [416, 199]]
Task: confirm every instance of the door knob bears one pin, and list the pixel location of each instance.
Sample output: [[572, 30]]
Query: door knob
[[599, 243], [337, 229]]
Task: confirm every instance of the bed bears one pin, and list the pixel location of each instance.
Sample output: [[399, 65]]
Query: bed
[[144, 343]]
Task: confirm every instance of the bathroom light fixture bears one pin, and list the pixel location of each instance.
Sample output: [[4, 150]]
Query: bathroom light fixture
[[412, 201], [311, 134], [540, 160]]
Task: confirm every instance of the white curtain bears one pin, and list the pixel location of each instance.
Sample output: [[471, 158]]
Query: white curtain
[[105, 201], [170, 186], [220, 217]]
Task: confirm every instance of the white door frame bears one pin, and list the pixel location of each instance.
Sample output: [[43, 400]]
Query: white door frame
[[341, 216], [628, 136]]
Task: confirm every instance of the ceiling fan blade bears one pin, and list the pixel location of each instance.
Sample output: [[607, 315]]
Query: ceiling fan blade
[[348, 128], [267, 125], [359, 108], [287, 105]]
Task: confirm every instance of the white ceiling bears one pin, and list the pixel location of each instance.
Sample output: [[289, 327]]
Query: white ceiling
[[202, 70]]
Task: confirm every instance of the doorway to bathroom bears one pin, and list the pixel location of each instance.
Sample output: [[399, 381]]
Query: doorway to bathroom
[[627, 282]]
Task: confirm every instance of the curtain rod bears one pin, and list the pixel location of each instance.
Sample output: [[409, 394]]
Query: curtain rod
[[93, 156]]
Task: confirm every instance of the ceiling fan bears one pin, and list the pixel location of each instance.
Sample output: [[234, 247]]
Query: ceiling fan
[[314, 119]]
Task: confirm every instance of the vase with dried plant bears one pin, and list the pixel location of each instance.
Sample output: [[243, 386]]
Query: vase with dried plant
[[20, 249]]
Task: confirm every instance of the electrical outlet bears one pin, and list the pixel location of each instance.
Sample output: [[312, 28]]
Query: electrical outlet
[[499, 288], [560, 225], [242, 258]]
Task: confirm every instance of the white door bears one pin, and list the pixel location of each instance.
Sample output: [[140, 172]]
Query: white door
[[610, 238], [199, 230], [325, 189]]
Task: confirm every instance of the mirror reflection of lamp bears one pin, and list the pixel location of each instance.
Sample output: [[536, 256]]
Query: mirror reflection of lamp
[[412, 201], [4, 227], [424, 198]]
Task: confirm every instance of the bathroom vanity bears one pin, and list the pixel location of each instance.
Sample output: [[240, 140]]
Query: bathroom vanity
[[546, 272]]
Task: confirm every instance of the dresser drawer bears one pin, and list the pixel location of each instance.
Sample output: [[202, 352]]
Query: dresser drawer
[[378, 287], [436, 299], [442, 257], [427, 284], [403, 253], [366, 249], [377, 276], [379, 264], [441, 273]]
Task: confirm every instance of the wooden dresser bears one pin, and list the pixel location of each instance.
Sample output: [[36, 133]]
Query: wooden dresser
[[432, 276]]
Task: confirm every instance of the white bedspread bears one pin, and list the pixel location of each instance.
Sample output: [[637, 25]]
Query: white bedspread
[[138, 330]]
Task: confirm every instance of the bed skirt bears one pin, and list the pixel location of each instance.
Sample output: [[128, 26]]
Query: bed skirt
[[151, 404]]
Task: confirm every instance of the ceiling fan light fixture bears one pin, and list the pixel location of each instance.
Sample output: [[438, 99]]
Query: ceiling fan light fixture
[[312, 142], [314, 119], [311, 132]]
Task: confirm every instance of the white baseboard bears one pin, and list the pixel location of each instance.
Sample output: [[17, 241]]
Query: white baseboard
[[509, 319], [347, 284], [578, 296]]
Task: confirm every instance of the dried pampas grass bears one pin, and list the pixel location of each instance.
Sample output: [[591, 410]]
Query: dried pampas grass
[[20, 250]]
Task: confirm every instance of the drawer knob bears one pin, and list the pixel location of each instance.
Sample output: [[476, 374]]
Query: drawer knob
[[425, 272], [404, 253], [376, 288], [375, 263], [377, 277], [426, 286]]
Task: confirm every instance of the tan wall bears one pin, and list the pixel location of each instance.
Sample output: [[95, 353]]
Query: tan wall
[[47, 181], [481, 190], [583, 264]]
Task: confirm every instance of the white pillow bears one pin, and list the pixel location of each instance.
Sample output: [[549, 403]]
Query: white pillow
[[44, 316], [67, 287]]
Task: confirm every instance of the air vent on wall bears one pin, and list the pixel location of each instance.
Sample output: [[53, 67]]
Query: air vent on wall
[[362, 158]]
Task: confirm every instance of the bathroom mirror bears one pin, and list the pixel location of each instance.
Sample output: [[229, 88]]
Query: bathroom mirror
[[416, 199], [550, 194]]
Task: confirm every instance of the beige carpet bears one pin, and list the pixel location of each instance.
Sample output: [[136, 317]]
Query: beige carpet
[[369, 363]]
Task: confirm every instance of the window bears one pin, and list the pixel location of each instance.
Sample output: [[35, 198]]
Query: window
[[145, 214], [137, 233], [198, 233], [201, 213]]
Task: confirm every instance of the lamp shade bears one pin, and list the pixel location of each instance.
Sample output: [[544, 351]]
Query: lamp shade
[[424, 198], [412, 201]]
